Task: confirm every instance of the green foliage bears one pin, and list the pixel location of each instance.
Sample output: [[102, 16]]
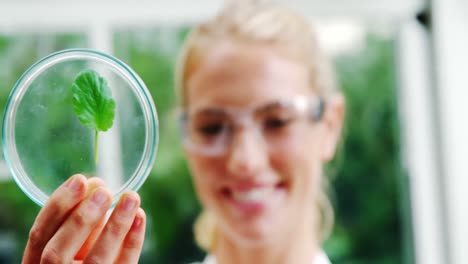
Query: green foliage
[[93, 104], [367, 173], [17, 214], [92, 101]]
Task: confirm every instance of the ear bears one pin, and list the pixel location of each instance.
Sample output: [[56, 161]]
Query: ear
[[332, 122]]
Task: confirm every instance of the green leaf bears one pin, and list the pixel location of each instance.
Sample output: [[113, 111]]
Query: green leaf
[[92, 101]]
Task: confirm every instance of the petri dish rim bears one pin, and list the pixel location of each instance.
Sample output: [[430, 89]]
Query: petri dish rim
[[21, 86]]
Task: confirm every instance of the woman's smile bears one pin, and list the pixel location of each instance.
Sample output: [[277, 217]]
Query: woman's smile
[[253, 198]]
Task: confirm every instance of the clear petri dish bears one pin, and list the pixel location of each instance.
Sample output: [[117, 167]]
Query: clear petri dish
[[44, 142]]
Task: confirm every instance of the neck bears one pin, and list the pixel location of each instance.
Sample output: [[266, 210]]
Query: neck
[[299, 246]]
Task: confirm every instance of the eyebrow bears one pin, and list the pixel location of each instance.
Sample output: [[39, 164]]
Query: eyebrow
[[211, 111], [221, 112], [272, 106]]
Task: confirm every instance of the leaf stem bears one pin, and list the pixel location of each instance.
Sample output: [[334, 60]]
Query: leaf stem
[[96, 146]]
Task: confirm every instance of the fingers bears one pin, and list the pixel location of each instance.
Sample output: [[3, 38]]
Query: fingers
[[133, 242], [109, 243], [75, 230], [93, 184], [51, 217], [72, 225]]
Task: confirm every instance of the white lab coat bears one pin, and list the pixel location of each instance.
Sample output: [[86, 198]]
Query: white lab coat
[[321, 258]]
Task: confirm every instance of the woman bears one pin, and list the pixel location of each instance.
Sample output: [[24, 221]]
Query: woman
[[261, 116]]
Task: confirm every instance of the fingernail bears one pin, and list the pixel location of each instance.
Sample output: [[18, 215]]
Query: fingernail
[[99, 197], [75, 184], [137, 222], [128, 203]]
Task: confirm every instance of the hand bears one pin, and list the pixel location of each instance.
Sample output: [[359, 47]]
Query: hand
[[72, 227]]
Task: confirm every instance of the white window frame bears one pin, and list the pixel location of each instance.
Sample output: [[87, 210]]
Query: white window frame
[[450, 41]]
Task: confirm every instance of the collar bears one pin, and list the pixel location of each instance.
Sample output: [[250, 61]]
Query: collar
[[320, 258]]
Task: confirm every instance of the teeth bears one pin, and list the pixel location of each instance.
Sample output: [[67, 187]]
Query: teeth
[[254, 195]]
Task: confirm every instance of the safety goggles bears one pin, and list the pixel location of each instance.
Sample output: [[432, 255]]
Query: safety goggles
[[211, 131]]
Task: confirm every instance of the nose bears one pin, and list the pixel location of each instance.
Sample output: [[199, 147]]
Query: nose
[[247, 154]]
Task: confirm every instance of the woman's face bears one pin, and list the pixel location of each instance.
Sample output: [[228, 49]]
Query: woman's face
[[259, 188]]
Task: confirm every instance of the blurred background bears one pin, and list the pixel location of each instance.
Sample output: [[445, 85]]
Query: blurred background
[[398, 183]]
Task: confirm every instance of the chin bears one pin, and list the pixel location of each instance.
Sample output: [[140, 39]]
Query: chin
[[254, 236], [256, 230]]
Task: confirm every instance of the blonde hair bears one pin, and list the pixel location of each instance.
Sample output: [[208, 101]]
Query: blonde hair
[[262, 22]]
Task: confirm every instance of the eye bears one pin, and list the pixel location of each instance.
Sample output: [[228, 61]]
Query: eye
[[211, 129], [276, 123]]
